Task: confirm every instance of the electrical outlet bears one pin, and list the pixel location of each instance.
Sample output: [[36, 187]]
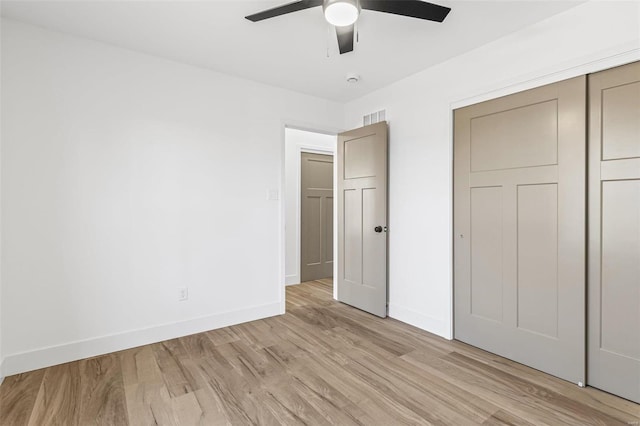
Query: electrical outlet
[[183, 294]]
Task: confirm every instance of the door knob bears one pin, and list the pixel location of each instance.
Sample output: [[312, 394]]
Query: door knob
[[378, 229]]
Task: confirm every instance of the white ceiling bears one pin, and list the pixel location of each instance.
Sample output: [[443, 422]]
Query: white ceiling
[[288, 51]]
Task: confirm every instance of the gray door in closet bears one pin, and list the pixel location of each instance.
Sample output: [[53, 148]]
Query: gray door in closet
[[614, 231], [519, 227]]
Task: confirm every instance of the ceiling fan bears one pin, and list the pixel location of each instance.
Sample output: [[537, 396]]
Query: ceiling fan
[[344, 13]]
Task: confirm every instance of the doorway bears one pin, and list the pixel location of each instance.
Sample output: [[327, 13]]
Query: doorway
[[319, 148], [358, 241]]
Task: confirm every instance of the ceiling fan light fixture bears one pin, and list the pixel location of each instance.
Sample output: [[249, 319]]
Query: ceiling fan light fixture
[[341, 13]]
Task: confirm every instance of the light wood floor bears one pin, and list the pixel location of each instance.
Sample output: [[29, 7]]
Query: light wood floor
[[321, 363]]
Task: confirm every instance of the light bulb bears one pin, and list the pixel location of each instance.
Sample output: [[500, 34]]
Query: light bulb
[[341, 13]]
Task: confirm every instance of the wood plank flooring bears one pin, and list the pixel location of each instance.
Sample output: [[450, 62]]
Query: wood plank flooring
[[321, 363]]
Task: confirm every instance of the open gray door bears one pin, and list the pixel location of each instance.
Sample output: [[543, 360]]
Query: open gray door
[[362, 218]]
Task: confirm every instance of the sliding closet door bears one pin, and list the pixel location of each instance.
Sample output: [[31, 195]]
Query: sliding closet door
[[519, 223], [614, 231]]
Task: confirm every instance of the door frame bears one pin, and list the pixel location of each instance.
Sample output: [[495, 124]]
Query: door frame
[[307, 127]]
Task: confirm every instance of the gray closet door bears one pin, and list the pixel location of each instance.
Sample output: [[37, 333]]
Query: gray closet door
[[362, 218], [316, 217], [519, 224], [614, 231]]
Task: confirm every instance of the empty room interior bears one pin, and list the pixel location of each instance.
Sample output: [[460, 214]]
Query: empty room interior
[[344, 212]]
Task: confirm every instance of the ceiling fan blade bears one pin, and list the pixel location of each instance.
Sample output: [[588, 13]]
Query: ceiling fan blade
[[284, 9], [345, 38], [412, 8]]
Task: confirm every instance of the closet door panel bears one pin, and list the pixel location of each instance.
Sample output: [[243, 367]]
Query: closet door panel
[[519, 220], [614, 229]]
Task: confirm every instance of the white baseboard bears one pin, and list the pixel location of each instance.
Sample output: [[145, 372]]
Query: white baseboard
[[73, 351], [292, 279], [424, 322]]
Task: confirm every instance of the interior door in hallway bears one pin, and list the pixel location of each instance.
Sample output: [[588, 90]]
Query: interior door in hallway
[[316, 217], [519, 227], [362, 218], [614, 231]]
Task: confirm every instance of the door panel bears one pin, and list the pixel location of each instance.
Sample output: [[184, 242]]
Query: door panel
[[614, 230], [493, 146], [316, 218], [620, 267], [621, 121], [361, 157], [312, 236], [362, 206], [328, 231], [374, 247], [352, 237], [486, 251], [519, 221], [538, 258]]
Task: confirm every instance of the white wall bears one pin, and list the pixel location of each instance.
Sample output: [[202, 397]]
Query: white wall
[[124, 177], [297, 141], [587, 38]]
